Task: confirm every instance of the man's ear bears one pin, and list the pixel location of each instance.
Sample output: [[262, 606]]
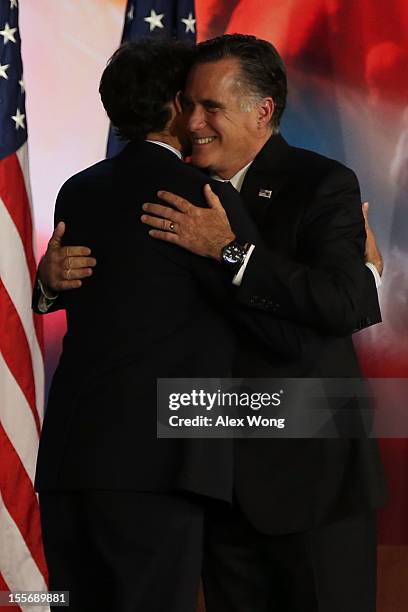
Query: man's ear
[[266, 108], [177, 103]]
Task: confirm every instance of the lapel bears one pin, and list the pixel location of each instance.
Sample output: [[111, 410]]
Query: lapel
[[267, 173]]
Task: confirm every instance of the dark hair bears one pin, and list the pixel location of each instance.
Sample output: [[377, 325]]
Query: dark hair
[[140, 81], [262, 68]]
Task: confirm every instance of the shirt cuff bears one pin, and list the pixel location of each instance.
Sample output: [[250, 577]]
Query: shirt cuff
[[237, 280], [376, 274], [45, 300]]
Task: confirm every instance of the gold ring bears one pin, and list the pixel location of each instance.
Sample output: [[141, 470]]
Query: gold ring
[[172, 227]]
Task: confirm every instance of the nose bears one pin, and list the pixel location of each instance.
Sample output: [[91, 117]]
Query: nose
[[196, 119]]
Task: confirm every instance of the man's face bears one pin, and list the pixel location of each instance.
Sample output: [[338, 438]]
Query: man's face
[[223, 120]]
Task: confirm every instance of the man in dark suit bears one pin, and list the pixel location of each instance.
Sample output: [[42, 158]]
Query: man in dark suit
[[301, 535], [294, 500], [121, 510]]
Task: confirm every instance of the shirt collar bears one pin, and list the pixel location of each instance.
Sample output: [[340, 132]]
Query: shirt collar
[[236, 180], [166, 146]]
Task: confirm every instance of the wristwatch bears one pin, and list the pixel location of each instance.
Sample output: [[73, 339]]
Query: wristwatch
[[233, 254]]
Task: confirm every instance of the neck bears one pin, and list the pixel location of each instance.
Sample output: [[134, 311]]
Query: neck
[[165, 137]]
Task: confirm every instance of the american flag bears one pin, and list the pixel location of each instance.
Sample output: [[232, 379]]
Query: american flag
[[151, 18], [22, 562]]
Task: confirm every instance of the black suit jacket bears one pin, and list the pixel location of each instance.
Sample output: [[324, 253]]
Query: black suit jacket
[[307, 270], [279, 333], [150, 310]]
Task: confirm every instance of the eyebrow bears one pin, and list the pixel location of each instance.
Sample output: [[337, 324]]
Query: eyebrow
[[208, 102], [212, 103]]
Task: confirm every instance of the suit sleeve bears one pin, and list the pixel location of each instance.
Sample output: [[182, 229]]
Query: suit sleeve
[[286, 338], [327, 285], [37, 297]]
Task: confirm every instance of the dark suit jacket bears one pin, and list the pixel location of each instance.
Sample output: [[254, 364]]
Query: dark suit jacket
[[305, 290], [150, 310], [307, 270]]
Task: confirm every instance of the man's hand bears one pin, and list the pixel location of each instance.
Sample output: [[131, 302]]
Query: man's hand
[[203, 231], [372, 252], [62, 268]]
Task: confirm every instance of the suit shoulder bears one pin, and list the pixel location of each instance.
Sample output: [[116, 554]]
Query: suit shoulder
[[185, 180], [191, 173], [84, 190], [317, 166], [100, 172]]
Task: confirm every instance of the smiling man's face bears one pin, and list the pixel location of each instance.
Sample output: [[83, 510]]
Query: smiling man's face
[[226, 125]]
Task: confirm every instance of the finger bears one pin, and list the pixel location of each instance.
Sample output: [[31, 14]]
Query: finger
[[177, 201], [213, 200], [75, 274], [162, 224], [162, 211], [77, 251], [367, 226], [78, 262], [166, 236], [57, 234], [69, 284]]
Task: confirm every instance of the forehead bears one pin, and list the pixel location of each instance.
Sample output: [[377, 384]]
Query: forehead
[[213, 80]]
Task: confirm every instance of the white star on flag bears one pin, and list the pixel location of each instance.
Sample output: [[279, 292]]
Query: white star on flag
[[189, 23], [13, 3], [21, 83], [154, 20], [3, 69], [8, 34], [130, 14], [19, 119]]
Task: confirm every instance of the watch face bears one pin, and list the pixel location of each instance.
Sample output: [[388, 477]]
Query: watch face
[[233, 253]]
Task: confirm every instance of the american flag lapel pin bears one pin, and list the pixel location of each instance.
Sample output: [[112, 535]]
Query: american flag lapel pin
[[265, 193]]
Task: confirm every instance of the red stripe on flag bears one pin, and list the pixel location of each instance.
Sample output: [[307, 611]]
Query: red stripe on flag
[[16, 351], [3, 585], [15, 198], [21, 501]]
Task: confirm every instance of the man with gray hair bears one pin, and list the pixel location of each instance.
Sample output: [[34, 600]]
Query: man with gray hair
[[300, 535]]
